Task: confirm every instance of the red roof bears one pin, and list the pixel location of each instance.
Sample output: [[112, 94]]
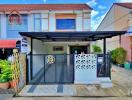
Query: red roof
[[29, 7], [127, 5], [8, 43]]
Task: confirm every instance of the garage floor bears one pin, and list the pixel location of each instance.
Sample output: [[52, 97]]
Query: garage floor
[[48, 90]]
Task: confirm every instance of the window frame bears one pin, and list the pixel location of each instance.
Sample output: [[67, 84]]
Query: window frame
[[67, 28], [37, 18], [12, 30], [58, 48], [65, 16]]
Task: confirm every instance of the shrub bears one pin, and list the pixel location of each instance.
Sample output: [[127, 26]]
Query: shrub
[[118, 55], [5, 74], [96, 49]]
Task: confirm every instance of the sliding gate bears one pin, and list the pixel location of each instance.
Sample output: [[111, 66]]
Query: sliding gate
[[60, 68], [55, 68]]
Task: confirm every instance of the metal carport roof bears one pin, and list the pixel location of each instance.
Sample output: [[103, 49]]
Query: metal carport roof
[[76, 35]]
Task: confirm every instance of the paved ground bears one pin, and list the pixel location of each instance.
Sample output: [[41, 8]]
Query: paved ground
[[122, 77], [72, 98], [122, 87]]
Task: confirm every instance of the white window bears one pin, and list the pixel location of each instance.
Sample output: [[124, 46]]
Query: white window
[[37, 22]]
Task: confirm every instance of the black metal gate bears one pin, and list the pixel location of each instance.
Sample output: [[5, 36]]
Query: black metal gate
[[51, 68]]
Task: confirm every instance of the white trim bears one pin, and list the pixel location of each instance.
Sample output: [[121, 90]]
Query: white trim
[[3, 26]]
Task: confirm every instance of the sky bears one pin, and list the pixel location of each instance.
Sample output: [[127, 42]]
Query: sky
[[100, 7]]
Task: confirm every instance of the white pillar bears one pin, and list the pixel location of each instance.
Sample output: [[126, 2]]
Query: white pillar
[[68, 55], [52, 22], [79, 23], [30, 23]]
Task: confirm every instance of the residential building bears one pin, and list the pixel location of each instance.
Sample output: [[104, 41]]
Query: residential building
[[43, 18], [56, 39], [118, 18]]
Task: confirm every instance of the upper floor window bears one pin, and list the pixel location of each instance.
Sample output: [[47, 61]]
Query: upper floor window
[[37, 22], [64, 24], [65, 21], [14, 28]]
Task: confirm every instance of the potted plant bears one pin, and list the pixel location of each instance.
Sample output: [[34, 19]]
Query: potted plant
[[118, 56], [13, 82], [5, 72], [96, 49], [127, 65]]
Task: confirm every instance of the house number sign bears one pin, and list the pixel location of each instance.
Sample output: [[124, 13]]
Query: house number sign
[[50, 59]]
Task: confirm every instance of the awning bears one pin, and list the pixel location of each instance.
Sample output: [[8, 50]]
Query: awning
[[70, 36], [8, 43]]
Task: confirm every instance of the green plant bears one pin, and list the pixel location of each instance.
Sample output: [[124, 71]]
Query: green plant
[[118, 55], [96, 49], [5, 74]]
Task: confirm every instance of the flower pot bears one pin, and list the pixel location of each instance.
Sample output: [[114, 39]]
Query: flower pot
[[121, 65], [127, 65], [4, 85], [13, 83]]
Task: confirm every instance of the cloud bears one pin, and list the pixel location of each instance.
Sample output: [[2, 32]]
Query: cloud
[[92, 3], [101, 7], [124, 0], [94, 13], [44, 1], [96, 21]]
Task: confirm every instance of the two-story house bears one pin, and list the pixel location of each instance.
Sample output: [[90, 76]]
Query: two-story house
[[43, 18], [49, 53], [56, 38]]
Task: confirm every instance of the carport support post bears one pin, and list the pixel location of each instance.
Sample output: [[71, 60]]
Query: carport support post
[[104, 46], [104, 53], [31, 60]]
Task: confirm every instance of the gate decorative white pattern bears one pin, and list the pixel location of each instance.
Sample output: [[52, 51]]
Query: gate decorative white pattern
[[85, 66]]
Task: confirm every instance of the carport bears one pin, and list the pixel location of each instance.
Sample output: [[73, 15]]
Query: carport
[[69, 72]]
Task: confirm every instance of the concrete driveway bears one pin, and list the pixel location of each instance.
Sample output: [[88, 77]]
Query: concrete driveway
[[72, 98], [122, 86], [122, 78]]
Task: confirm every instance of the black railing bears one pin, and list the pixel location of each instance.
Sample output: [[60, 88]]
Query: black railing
[[51, 68], [103, 65], [59, 68]]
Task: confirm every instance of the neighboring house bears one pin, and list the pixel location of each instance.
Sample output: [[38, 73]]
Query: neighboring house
[[43, 18], [118, 18]]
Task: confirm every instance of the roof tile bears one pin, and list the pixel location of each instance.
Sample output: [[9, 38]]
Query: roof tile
[[29, 7]]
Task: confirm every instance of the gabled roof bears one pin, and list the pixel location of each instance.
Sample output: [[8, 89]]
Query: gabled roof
[[29, 7], [126, 5]]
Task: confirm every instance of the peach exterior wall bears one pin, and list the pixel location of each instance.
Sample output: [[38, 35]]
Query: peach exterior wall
[[118, 23], [126, 44], [122, 24]]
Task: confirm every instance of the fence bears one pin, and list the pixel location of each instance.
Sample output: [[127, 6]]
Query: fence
[[47, 68], [18, 67], [59, 68]]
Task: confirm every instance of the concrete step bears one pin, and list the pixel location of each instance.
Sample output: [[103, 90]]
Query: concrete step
[[106, 84]]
